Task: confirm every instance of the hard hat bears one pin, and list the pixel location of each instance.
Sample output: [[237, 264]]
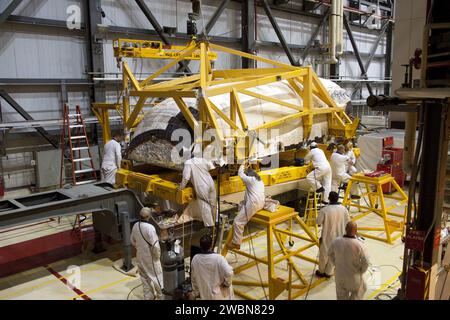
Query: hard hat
[[313, 145]]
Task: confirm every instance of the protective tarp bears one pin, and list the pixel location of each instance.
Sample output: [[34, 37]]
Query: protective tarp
[[156, 135], [371, 146]]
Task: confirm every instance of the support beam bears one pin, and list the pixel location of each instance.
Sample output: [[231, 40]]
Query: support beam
[[357, 55], [2, 143], [94, 48], [8, 10], [127, 31], [280, 36], [372, 51], [61, 25], [159, 30], [248, 31], [151, 18], [26, 116], [388, 60], [216, 16], [43, 82], [314, 35], [64, 95], [432, 178]]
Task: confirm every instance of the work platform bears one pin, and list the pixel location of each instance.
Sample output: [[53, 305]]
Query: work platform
[[392, 222], [277, 226]]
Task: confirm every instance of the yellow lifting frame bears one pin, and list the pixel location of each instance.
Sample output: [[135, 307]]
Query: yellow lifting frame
[[150, 49], [210, 82], [374, 194]]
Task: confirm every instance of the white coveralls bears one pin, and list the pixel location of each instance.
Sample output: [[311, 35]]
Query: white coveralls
[[321, 175], [351, 262], [338, 164], [211, 277], [350, 168], [112, 156], [197, 170], [253, 202], [333, 219], [148, 259]]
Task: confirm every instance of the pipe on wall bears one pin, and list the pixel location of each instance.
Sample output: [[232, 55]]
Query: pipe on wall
[[339, 26], [335, 31]]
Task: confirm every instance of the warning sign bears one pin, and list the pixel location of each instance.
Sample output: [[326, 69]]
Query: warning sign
[[415, 240]]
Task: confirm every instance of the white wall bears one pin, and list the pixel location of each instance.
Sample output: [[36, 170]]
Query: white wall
[[408, 35]]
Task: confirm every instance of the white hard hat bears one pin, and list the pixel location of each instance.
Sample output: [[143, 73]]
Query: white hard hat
[[313, 145]]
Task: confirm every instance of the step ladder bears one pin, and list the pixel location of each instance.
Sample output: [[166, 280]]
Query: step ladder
[[74, 139], [312, 208]]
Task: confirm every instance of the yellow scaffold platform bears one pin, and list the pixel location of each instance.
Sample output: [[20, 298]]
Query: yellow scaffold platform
[[393, 222], [277, 226]]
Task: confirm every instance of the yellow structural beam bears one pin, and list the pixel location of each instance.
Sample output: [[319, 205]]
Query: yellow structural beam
[[141, 182]]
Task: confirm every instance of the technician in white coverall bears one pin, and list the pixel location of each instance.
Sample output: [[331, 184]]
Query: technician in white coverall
[[204, 207], [148, 253], [253, 202], [351, 169], [333, 219], [320, 178], [112, 156], [351, 260], [339, 162], [211, 274]]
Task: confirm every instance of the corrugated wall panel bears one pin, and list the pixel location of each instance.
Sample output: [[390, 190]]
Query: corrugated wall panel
[[47, 9], [26, 54]]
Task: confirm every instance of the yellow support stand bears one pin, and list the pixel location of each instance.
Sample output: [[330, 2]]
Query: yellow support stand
[[392, 222], [274, 225]]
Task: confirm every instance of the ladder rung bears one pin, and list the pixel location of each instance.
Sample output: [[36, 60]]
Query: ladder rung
[[74, 115], [81, 159], [84, 171], [78, 183], [77, 137], [76, 126], [80, 148]]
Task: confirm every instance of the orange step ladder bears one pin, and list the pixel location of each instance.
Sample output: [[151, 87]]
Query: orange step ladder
[[74, 138]]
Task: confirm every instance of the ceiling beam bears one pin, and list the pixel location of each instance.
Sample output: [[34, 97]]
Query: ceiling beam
[[8, 10]]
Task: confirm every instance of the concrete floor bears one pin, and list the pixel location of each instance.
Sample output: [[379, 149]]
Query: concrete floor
[[99, 280]]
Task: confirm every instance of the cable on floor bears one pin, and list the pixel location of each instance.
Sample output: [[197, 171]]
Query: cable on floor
[[128, 296]]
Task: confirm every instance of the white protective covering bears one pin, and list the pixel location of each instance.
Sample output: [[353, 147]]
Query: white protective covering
[[333, 219], [371, 146], [148, 252], [112, 157], [253, 202], [204, 206], [211, 277], [351, 262]]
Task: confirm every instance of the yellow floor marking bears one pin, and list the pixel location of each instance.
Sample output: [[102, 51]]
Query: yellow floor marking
[[384, 286], [103, 287], [29, 289], [42, 284]]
